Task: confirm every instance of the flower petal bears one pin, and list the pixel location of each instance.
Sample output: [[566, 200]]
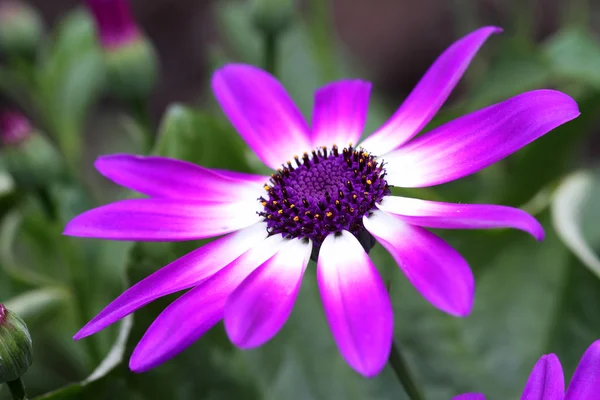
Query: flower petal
[[432, 214], [194, 313], [469, 396], [340, 113], [546, 381], [434, 268], [477, 140], [183, 273], [262, 112], [585, 384], [166, 177], [162, 220], [259, 307], [429, 95], [356, 303]]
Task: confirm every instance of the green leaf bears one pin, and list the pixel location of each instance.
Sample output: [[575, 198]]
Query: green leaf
[[70, 79], [575, 214], [200, 138], [574, 54]]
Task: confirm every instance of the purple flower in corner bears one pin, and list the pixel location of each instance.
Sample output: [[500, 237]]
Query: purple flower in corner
[[328, 199], [546, 381]]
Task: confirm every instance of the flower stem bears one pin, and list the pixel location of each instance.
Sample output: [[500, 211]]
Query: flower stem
[[270, 53], [403, 373], [17, 389]]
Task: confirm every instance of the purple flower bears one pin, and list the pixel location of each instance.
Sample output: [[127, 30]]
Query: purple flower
[[14, 128], [546, 381], [329, 202], [115, 24]]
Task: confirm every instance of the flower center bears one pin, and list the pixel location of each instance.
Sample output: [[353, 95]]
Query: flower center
[[323, 193]]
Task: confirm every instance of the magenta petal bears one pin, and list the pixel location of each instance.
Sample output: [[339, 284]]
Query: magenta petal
[[434, 268], [469, 396], [429, 94], [194, 313], [546, 381], [183, 273], [262, 112], [340, 113], [432, 214], [259, 307], [356, 303], [162, 220], [166, 177], [477, 140], [585, 384]]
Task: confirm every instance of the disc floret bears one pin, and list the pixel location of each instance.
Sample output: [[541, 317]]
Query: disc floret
[[323, 192]]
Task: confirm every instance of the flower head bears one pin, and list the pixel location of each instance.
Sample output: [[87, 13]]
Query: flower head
[[546, 381], [328, 198], [21, 28], [14, 128], [131, 62], [115, 24], [15, 346]]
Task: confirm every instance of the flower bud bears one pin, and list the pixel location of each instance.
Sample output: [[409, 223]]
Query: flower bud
[[15, 346], [21, 28], [130, 57], [29, 157], [272, 16]]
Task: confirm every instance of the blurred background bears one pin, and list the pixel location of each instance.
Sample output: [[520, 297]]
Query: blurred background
[[77, 97]]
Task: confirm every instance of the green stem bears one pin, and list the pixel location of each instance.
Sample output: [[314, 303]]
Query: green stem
[[270, 53], [47, 204], [17, 389], [403, 373]]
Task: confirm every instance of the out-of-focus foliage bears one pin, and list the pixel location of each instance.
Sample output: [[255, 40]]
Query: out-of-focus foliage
[[532, 298]]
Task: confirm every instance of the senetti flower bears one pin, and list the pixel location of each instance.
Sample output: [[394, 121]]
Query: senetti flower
[[14, 128], [115, 24], [546, 381], [327, 198]]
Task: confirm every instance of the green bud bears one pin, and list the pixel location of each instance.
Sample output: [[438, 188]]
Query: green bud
[[29, 157], [15, 346], [132, 69], [21, 29], [272, 16]]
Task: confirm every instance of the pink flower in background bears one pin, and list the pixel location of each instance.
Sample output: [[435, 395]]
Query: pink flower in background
[[14, 128], [327, 199], [546, 381], [115, 24]]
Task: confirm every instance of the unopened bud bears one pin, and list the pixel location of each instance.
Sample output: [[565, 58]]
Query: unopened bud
[[15, 346], [130, 57], [272, 16], [29, 157], [21, 28]]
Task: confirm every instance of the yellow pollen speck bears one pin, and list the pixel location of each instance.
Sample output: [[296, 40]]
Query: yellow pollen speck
[[369, 164], [264, 203], [296, 218], [337, 202], [329, 214], [350, 144], [292, 205], [369, 182], [365, 154], [317, 216], [306, 212], [280, 212], [354, 196], [351, 209], [274, 202], [266, 187]]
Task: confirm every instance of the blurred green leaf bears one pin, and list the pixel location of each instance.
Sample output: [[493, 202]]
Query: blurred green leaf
[[576, 212], [70, 79], [200, 138], [574, 54], [38, 303]]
